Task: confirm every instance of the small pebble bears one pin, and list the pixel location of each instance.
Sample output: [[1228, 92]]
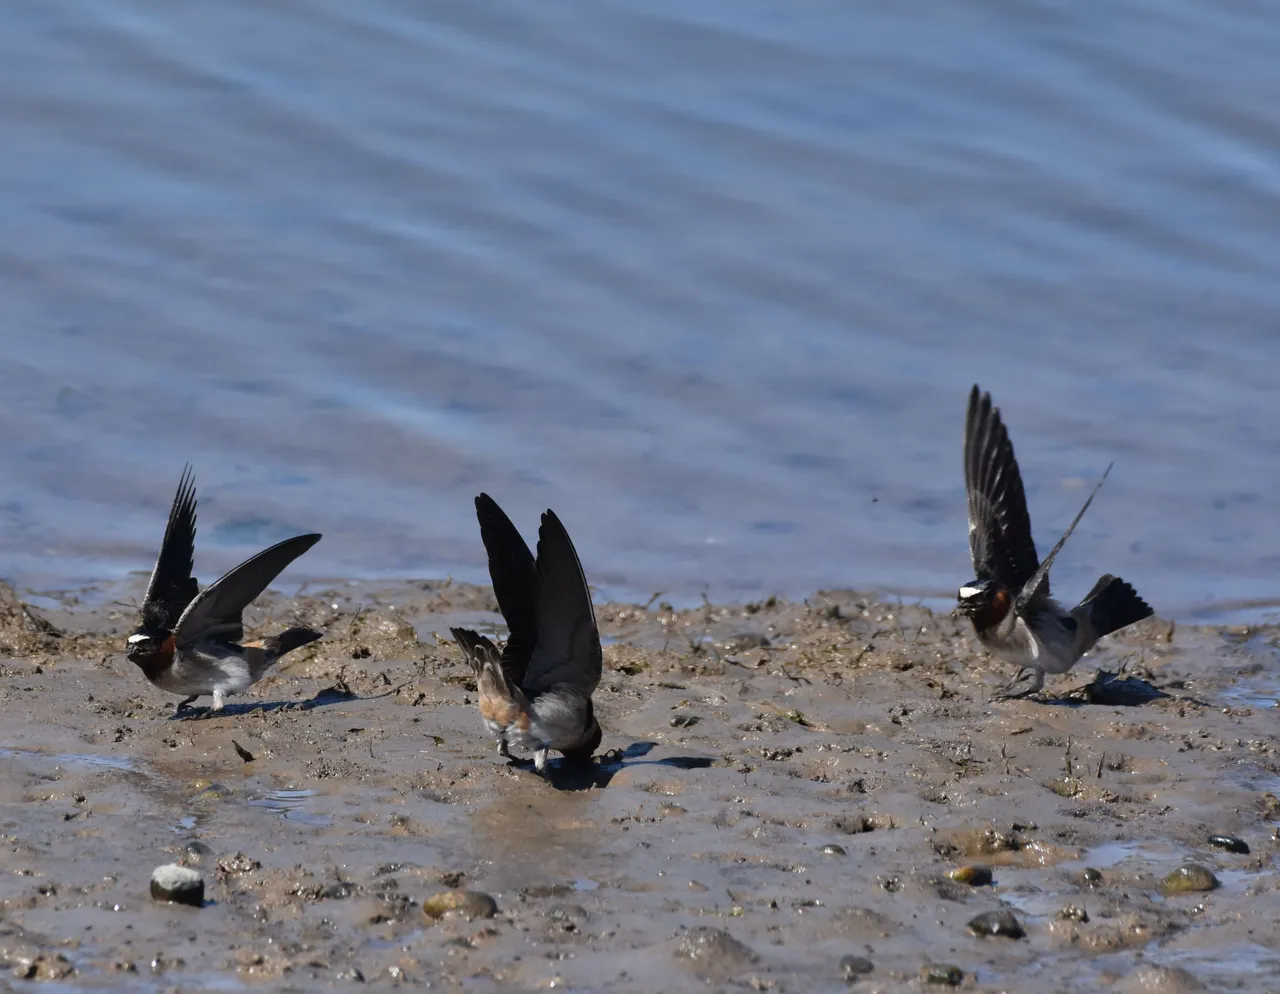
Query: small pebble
[[853, 967], [831, 849], [1001, 923], [1231, 843], [1191, 877], [1074, 913], [684, 721], [1091, 876], [195, 851], [974, 876], [466, 904], [179, 884], [942, 973]]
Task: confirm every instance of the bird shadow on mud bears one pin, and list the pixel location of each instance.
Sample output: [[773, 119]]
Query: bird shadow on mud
[[337, 694], [597, 773], [1109, 689]]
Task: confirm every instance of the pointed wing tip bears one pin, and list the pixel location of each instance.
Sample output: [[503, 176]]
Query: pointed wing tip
[[488, 510]]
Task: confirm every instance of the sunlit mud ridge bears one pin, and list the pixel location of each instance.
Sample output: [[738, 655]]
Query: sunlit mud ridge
[[788, 797]]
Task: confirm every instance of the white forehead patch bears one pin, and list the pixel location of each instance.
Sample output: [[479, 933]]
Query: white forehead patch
[[138, 638], [967, 592]]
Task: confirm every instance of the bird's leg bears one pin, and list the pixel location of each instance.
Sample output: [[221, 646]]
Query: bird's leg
[[218, 700], [184, 704], [1007, 692], [503, 749], [540, 759]]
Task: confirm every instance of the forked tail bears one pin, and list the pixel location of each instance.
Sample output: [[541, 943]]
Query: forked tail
[[1112, 604], [481, 653], [287, 641]]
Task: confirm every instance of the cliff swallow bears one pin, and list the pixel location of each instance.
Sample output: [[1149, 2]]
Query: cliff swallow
[[536, 693], [1008, 602], [188, 641]]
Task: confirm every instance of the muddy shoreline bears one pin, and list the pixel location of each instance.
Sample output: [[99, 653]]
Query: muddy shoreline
[[786, 789]]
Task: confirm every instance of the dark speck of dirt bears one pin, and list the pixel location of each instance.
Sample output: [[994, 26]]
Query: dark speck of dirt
[[943, 974], [684, 721], [997, 923], [1230, 843], [853, 967], [239, 863]]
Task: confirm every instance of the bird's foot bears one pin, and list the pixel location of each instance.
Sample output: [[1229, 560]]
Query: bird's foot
[[218, 700], [1010, 691], [185, 704], [503, 749], [540, 760]]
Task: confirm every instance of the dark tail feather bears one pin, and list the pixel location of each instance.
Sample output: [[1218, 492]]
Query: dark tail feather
[[478, 649], [287, 641], [1113, 604]]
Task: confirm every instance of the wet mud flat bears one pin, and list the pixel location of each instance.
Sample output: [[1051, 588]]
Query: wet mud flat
[[814, 796]]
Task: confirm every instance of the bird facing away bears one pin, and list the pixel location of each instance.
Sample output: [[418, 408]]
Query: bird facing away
[[536, 693], [188, 641], [1008, 601]]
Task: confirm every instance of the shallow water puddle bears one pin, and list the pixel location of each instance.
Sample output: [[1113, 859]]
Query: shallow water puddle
[[121, 763], [1254, 694], [290, 803]]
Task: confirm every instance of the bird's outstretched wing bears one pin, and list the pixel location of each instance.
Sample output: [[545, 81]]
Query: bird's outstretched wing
[[568, 649], [172, 587], [216, 612], [1037, 584], [514, 575], [999, 526]]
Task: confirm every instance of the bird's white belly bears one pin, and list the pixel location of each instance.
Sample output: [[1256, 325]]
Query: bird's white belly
[[203, 673]]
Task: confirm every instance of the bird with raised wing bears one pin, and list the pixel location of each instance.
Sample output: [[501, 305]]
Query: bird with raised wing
[[1008, 601], [188, 641], [536, 692]]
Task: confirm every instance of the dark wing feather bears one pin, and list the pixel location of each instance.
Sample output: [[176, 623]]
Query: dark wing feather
[[172, 586], [999, 526], [514, 575], [216, 612], [568, 649]]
